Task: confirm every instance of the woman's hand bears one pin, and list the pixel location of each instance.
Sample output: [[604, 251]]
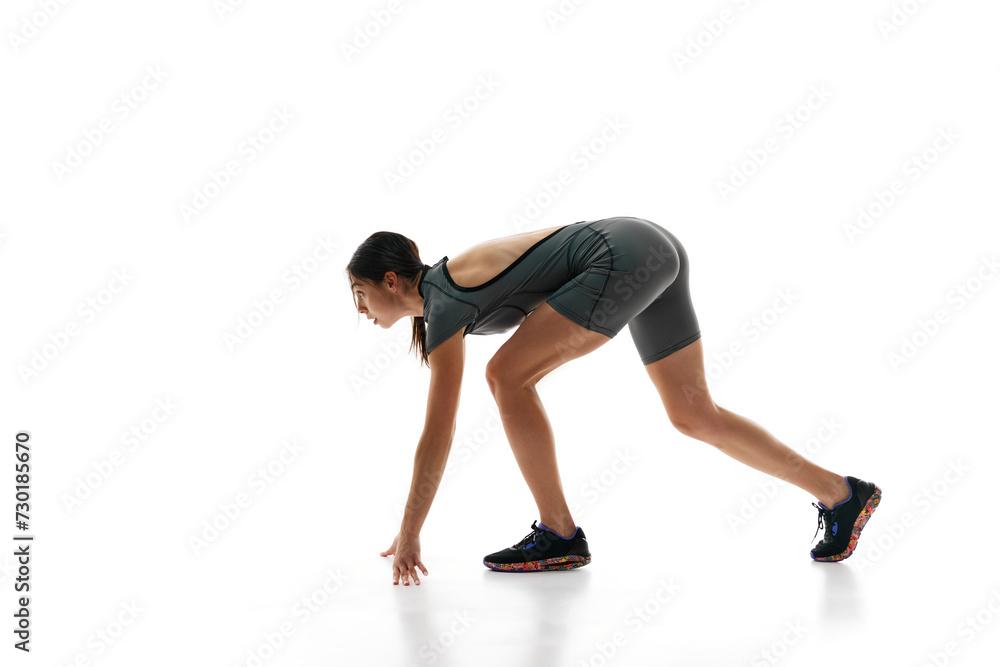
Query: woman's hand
[[407, 551]]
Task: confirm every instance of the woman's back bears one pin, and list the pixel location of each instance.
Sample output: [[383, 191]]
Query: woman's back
[[483, 261]]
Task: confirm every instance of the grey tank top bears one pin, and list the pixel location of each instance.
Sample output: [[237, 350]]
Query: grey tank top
[[505, 300]]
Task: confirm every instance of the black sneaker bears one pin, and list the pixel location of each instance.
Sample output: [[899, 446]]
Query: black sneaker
[[542, 549], [844, 521]]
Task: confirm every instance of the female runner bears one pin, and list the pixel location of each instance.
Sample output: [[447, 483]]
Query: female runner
[[568, 290]]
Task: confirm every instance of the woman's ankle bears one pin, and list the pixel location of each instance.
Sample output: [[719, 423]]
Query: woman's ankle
[[838, 492], [561, 528]]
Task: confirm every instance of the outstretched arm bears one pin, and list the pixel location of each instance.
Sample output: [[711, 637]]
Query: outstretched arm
[[447, 363]]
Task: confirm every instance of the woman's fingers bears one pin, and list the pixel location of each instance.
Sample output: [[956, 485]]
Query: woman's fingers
[[413, 571], [407, 573]]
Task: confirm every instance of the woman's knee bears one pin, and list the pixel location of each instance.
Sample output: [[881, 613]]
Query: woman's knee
[[701, 422], [501, 375]]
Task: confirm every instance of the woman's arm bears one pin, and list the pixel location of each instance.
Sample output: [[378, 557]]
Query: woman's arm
[[447, 362], [429, 463]]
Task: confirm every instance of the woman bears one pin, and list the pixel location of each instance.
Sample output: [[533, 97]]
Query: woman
[[571, 289]]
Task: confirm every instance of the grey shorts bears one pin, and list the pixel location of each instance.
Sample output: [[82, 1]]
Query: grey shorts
[[630, 271]]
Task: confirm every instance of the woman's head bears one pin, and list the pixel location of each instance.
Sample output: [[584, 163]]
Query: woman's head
[[383, 274]]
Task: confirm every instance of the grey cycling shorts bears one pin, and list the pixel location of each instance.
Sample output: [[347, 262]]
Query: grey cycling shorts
[[630, 271]]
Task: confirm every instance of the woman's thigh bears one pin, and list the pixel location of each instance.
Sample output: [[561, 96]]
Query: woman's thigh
[[543, 342]]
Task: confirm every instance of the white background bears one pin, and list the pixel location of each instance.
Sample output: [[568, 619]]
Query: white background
[[352, 398]]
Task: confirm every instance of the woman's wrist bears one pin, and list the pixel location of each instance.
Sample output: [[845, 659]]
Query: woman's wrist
[[408, 527]]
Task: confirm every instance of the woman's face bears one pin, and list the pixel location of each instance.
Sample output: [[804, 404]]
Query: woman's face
[[375, 302]]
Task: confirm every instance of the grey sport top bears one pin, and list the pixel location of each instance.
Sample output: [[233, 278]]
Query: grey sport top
[[504, 301], [602, 274]]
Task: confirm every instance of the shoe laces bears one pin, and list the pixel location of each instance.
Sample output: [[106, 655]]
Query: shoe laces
[[530, 537], [825, 518]]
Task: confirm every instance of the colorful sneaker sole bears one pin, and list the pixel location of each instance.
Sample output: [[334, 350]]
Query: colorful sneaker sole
[[562, 563], [859, 523]]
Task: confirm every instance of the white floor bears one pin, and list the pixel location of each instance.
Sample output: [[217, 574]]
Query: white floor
[[672, 580], [697, 599]]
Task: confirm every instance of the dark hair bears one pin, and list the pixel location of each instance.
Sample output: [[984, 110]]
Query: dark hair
[[388, 251]]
